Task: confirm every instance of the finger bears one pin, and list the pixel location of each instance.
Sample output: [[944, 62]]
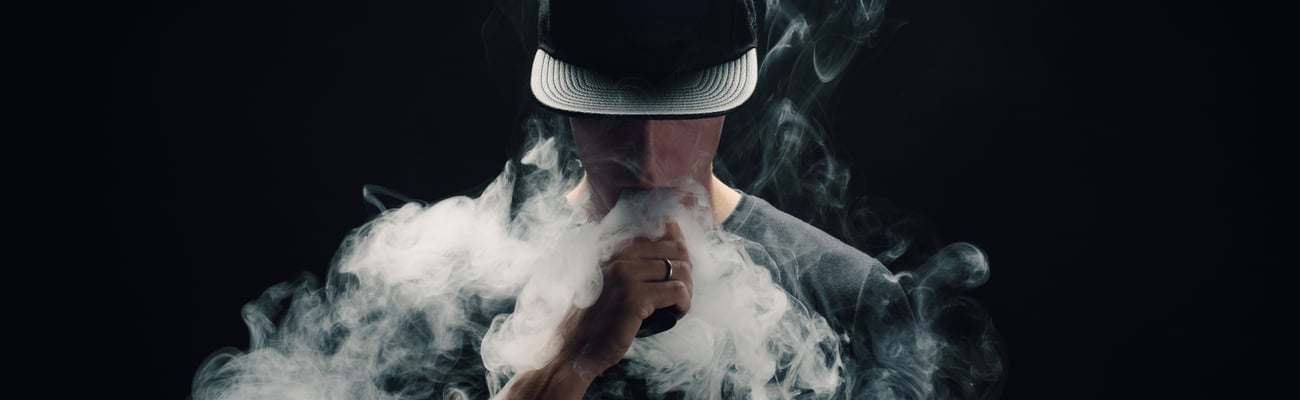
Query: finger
[[630, 270], [673, 231], [665, 294], [670, 249], [682, 271]]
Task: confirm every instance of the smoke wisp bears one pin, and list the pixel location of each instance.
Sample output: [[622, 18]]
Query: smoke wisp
[[420, 288], [454, 298]]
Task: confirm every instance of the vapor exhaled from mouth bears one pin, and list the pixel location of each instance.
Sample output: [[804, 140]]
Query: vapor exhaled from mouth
[[431, 300]]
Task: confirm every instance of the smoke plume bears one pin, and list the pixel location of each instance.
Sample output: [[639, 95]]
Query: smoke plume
[[452, 299]]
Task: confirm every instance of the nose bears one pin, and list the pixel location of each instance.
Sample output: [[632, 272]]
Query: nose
[[650, 158]]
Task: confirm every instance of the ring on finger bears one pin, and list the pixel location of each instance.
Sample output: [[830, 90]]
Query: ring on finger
[[668, 273]]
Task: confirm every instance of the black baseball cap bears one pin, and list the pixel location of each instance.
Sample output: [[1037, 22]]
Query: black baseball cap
[[645, 58]]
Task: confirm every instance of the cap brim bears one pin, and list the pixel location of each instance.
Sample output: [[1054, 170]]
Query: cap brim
[[710, 91]]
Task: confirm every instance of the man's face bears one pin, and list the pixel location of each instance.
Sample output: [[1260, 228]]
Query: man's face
[[621, 154]]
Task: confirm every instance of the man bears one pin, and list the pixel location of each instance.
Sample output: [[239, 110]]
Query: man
[[712, 293], [646, 85]]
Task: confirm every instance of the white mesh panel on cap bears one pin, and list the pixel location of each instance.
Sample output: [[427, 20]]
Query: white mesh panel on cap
[[713, 90]]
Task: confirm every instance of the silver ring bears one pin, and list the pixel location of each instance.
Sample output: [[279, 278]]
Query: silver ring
[[668, 275]]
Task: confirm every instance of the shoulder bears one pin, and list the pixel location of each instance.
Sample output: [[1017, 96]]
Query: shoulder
[[788, 237], [810, 263]]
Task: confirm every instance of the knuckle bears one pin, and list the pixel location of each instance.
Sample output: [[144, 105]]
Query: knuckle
[[645, 310], [684, 306], [680, 288], [679, 245], [683, 266]]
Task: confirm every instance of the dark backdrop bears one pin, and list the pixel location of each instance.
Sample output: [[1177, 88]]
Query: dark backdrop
[[1109, 158]]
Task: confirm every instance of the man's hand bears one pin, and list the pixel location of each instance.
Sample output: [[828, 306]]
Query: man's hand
[[593, 339], [597, 337]]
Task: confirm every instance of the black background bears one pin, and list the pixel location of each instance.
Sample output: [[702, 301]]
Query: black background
[[1110, 158]]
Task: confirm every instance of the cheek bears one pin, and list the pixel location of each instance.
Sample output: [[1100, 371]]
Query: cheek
[[588, 143], [595, 138], [691, 156], [703, 142]]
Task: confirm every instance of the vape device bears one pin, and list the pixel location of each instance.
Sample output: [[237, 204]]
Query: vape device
[[661, 320]]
